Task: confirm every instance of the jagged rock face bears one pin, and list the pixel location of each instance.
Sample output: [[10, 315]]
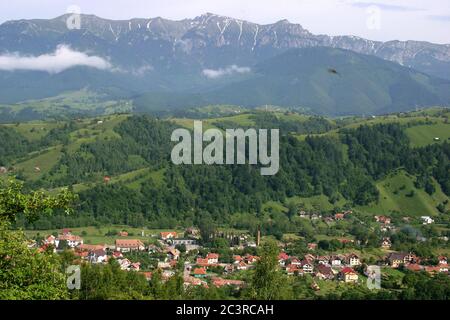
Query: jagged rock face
[[206, 41]]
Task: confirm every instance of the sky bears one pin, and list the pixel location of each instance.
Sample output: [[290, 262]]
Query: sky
[[427, 20]]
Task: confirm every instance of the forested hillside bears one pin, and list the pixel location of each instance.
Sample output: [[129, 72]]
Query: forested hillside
[[343, 160]]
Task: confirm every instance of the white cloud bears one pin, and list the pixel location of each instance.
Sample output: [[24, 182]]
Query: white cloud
[[142, 70], [233, 69], [384, 6], [62, 59]]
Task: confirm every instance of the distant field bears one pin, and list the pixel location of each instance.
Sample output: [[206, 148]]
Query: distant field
[[241, 119], [44, 161], [71, 103], [35, 130], [91, 130], [393, 197], [132, 179], [420, 135], [425, 134], [97, 235], [322, 202]]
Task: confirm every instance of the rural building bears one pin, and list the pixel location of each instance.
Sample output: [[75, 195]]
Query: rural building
[[348, 275], [126, 245]]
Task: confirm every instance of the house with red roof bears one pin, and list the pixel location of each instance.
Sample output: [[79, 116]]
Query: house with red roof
[[219, 282], [242, 266], [127, 245], [282, 258], [311, 258], [237, 259], [324, 272], [50, 239], [348, 275], [192, 281], [173, 263], [124, 264], [46, 247], [135, 266], [173, 253], [414, 267], [336, 260], [81, 254], [251, 259], [293, 269], [307, 266], [345, 241], [168, 235], [383, 219], [443, 268], [229, 268], [117, 255], [442, 260], [323, 260], [147, 275], [199, 272], [213, 258], [97, 256], [91, 247], [202, 262], [398, 258]]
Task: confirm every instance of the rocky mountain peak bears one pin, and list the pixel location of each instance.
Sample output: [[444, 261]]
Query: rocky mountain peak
[[202, 36]]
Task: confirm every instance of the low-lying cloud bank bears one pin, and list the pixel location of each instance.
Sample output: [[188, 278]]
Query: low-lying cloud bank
[[62, 59], [233, 69]]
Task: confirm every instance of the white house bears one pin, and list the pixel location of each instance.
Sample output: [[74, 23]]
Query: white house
[[427, 220], [173, 253], [336, 261], [353, 260], [72, 240], [50, 239], [124, 264], [296, 262], [213, 258], [307, 267], [186, 242], [97, 256], [242, 266], [323, 260], [386, 243]]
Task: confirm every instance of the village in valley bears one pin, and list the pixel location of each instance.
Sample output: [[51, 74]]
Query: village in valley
[[203, 264]]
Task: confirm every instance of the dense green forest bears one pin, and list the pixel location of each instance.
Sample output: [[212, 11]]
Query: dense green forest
[[343, 166]]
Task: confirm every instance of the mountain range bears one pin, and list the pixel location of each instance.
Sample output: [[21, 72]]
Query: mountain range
[[214, 59]]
